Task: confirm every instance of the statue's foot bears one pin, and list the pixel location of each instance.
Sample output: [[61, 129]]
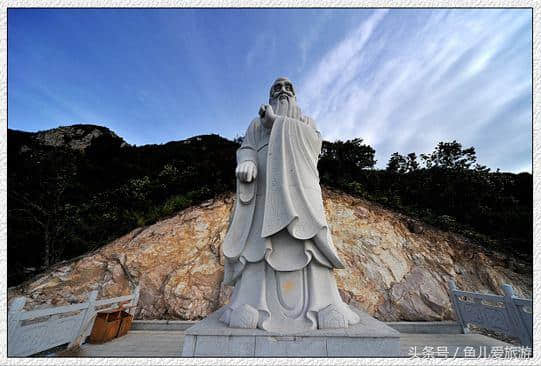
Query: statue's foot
[[331, 318], [244, 317]]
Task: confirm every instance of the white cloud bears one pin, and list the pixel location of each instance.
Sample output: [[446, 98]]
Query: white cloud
[[404, 86]]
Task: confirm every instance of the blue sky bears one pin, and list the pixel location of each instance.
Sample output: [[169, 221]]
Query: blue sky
[[401, 79]]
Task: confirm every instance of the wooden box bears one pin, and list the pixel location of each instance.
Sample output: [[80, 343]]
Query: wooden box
[[106, 326], [125, 323]]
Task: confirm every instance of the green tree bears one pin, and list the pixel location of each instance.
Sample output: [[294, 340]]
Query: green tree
[[396, 164], [402, 164], [451, 155], [342, 161], [411, 162], [46, 210]]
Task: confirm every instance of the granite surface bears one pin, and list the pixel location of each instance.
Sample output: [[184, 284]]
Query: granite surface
[[368, 338]]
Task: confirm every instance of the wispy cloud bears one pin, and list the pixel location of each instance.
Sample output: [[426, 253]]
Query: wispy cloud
[[404, 83]]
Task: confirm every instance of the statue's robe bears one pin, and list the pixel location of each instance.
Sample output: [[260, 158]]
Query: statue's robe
[[278, 249]]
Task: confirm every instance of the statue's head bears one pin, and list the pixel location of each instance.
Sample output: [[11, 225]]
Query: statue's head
[[282, 98], [282, 88]]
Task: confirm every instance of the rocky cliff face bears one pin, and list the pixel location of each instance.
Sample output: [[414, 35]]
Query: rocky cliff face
[[77, 137], [397, 269]]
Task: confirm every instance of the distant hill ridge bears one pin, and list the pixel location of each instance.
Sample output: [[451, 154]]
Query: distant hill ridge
[[77, 137], [81, 136]]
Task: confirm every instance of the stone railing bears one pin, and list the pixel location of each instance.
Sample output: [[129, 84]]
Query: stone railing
[[34, 331], [506, 314]]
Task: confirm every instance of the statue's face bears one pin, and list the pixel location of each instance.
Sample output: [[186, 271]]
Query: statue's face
[[282, 88], [282, 98]]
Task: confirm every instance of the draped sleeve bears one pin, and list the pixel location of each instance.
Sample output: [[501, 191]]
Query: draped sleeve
[[239, 227], [293, 197]]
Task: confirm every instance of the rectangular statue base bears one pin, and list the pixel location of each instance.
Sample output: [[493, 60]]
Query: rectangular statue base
[[368, 338]]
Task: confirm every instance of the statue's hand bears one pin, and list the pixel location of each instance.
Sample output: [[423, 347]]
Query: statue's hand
[[267, 115], [246, 171]]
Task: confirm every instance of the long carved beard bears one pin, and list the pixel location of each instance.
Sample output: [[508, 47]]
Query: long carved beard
[[285, 106]]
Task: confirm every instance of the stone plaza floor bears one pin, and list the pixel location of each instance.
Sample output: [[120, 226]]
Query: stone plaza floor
[[159, 343]]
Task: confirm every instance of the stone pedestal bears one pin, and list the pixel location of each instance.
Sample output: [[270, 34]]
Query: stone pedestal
[[368, 338]]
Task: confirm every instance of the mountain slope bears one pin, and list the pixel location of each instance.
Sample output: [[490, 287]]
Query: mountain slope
[[73, 189], [396, 269]]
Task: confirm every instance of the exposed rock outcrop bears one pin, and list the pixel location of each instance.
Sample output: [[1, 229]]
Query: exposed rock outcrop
[[77, 137], [394, 271]]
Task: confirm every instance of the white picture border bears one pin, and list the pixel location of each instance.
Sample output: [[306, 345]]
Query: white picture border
[[258, 3]]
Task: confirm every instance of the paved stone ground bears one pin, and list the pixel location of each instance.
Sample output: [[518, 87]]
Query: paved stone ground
[[137, 343], [145, 343]]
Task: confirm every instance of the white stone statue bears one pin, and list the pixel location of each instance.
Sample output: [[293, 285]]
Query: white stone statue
[[278, 249]]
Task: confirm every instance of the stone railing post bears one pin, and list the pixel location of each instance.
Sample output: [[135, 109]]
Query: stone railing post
[[86, 320], [14, 315], [454, 300], [514, 316]]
